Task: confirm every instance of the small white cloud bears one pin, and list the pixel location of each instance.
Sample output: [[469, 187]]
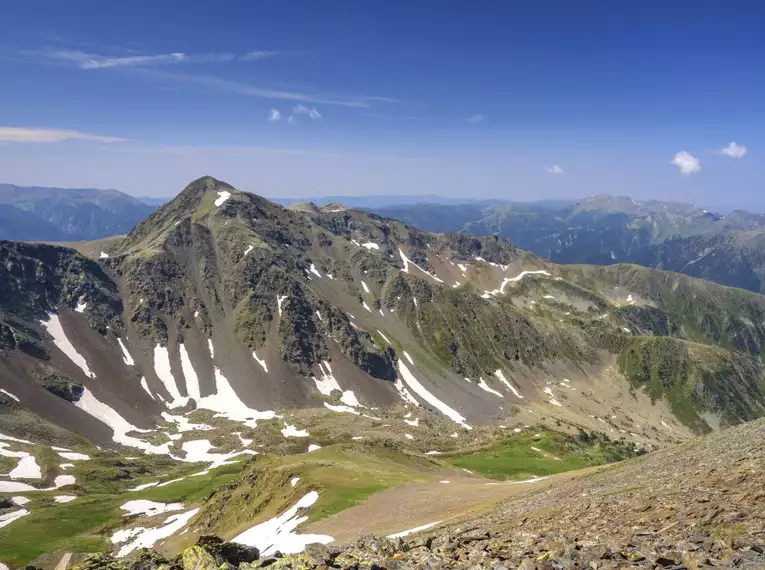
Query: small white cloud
[[22, 135], [733, 150], [477, 118], [555, 169], [303, 110], [687, 163], [274, 115], [258, 55], [292, 120]]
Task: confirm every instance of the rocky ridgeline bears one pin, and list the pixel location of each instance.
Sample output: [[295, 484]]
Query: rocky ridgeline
[[471, 548]]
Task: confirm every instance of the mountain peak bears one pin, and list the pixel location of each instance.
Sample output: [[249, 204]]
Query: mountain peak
[[333, 207]]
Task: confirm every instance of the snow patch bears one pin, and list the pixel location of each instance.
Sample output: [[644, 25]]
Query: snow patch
[[80, 308], [349, 398], [248, 250], [12, 396], [364, 285], [103, 255], [278, 533], [409, 358], [408, 436], [414, 423], [507, 383], [227, 404], [484, 386], [165, 374], [223, 195], [315, 271], [294, 481], [198, 451], [261, 361], [148, 537], [189, 374], [144, 486], [370, 245], [279, 301], [520, 276], [416, 529], [423, 393], [408, 262], [385, 338], [149, 508], [64, 498], [121, 427], [8, 518], [313, 447], [364, 304], [292, 431], [72, 456], [125, 354], [405, 394], [552, 399], [328, 382], [340, 409], [145, 386], [27, 468], [56, 330]]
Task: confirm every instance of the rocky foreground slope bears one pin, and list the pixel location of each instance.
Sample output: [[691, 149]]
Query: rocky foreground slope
[[697, 505]]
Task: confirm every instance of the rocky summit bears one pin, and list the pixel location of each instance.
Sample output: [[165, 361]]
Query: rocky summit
[[287, 377]]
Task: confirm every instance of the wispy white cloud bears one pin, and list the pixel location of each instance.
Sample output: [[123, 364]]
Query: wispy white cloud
[[92, 61], [29, 135], [157, 66], [258, 55], [247, 90], [274, 115], [687, 163], [293, 120], [733, 150], [555, 169], [477, 118], [303, 110]]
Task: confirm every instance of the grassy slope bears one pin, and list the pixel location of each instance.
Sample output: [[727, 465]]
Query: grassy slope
[[85, 524], [695, 378], [515, 458], [344, 475]]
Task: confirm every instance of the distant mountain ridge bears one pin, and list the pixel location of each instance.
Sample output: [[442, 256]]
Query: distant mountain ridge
[[607, 229], [67, 214]]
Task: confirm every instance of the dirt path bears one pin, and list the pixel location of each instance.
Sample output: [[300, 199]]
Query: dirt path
[[416, 504]]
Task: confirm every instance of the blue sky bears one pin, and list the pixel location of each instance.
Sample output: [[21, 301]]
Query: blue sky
[[480, 99]]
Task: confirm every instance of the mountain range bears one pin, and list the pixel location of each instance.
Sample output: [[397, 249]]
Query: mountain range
[[607, 230], [225, 326], [66, 214]]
